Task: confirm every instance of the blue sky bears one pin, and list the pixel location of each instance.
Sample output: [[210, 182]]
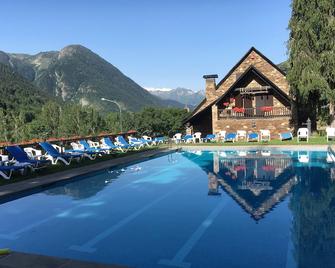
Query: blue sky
[[157, 43]]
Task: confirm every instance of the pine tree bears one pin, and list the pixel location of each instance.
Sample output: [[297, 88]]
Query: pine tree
[[311, 57]]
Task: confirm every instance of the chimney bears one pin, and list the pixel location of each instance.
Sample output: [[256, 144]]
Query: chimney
[[210, 86]]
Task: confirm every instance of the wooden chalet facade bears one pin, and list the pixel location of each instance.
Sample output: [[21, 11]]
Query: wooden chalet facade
[[254, 95]]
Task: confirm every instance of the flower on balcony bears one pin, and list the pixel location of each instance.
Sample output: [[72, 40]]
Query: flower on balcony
[[232, 99], [266, 108], [238, 109], [226, 104]]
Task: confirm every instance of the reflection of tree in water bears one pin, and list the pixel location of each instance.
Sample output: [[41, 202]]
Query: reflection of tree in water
[[87, 187], [313, 207]]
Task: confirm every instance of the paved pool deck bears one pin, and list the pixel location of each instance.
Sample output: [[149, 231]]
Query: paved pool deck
[[24, 260]]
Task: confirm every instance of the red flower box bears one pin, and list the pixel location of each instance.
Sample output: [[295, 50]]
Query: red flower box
[[238, 110], [266, 108]]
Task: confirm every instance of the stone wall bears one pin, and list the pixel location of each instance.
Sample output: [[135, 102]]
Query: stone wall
[[275, 125], [263, 66]]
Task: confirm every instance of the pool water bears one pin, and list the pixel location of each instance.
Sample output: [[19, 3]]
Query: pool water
[[186, 209]]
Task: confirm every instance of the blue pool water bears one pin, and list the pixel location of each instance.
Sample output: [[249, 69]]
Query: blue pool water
[[186, 209]]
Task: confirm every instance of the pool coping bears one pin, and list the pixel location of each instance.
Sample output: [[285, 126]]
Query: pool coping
[[306, 147], [20, 260], [20, 187]]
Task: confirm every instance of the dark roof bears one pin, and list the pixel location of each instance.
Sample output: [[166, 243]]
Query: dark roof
[[243, 58], [254, 70]]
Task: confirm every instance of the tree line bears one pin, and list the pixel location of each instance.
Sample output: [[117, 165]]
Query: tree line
[[65, 120]]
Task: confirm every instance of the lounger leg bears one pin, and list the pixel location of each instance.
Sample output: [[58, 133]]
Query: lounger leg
[[5, 176]]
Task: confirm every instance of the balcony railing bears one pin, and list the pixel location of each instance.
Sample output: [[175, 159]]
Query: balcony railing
[[260, 112]]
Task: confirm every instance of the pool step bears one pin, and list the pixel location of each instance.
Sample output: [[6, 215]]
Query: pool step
[[25, 260]]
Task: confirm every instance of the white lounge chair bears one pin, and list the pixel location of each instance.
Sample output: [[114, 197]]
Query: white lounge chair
[[265, 135], [177, 137], [221, 135], [302, 134], [241, 134], [197, 137], [330, 133]]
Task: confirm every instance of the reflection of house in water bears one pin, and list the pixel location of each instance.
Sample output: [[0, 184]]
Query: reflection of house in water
[[257, 181]]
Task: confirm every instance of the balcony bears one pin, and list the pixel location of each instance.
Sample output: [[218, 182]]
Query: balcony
[[260, 112]]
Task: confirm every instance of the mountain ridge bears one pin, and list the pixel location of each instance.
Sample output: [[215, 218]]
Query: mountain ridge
[[75, 73]]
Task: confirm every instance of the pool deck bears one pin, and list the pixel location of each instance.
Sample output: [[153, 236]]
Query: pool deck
[[303, 147], [24, 260], [11, 189]]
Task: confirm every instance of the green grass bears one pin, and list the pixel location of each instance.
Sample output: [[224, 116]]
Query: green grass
[[314, 140], [74, 164]]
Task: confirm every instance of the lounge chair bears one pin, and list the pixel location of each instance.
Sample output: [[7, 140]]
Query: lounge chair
[[89, 148], [177, 138], [54, 155], [241, 134], [6, 171], [197, 137], [120, 141], [221, 135], [285, 136], [302, 134], [209, 138], [230, 137], [107, 144], [265, 135], [187, 138], [149, 140], [253, 136], [330, 133], [78, 148], [137, 142], [22, 157], [158, 140]]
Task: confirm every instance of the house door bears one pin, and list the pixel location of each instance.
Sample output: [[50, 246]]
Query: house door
[[261, 101]]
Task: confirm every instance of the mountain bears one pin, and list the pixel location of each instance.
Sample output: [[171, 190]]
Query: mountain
[[77, 74], [17, 93], [183, 95]]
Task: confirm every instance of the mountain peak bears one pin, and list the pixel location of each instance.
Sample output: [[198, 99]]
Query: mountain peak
[[71, 50]]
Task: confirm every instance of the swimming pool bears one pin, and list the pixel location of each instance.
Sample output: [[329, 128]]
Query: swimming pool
[[186, 209]]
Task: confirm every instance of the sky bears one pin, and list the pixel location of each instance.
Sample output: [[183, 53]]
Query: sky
[[157, 43]]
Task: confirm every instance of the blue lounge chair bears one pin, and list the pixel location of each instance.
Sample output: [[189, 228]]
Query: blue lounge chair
[[136, 142], [252, 136], [78, 148], [285, 136], [230, 137], [158, 140], [55, 156], [6, 171], [88, 148], [21, 157], [187, 138], [106, 143], [120, 141], [209, 137]]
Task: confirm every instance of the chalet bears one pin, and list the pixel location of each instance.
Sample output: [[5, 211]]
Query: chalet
[[254, 95]]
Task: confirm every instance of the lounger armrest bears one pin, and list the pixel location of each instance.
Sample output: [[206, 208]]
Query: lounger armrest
[[4, 158], [33, 153], [58, 148]]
